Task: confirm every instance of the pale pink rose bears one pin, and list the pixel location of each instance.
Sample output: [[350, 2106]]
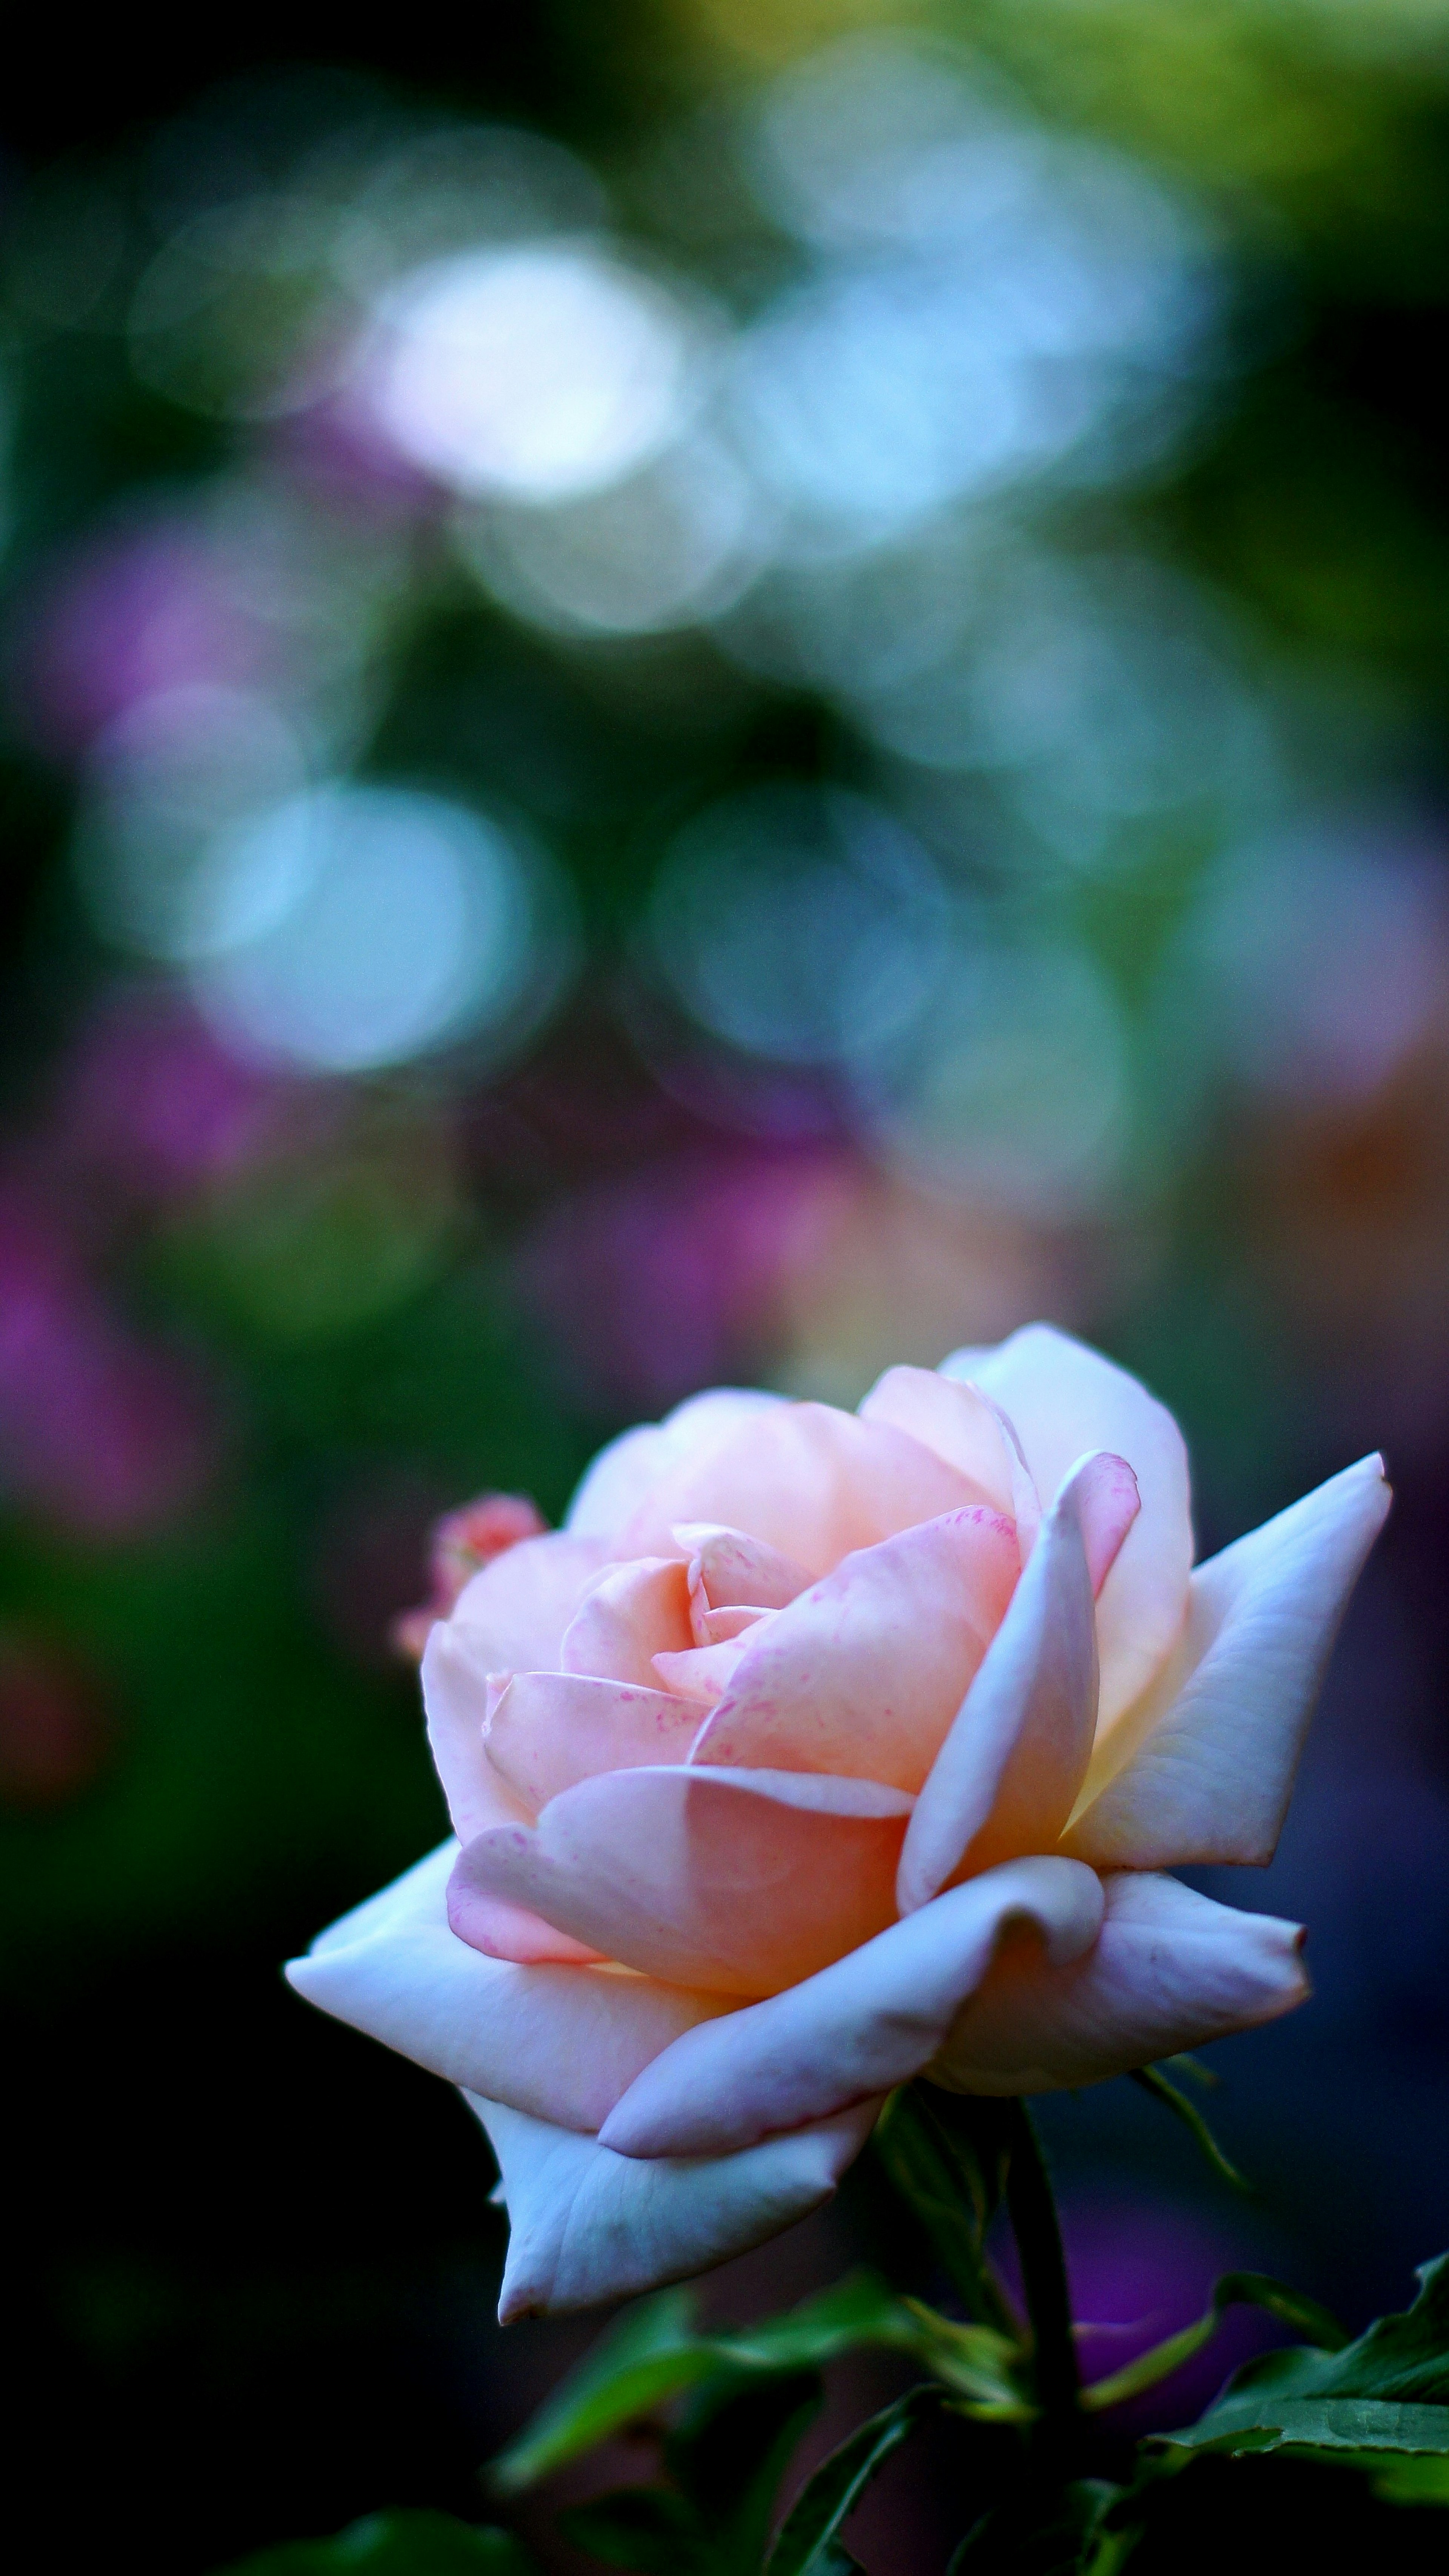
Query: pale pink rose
[[802, 1761]]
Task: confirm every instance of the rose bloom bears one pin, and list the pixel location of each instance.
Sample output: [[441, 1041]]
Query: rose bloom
[[819, 1751]]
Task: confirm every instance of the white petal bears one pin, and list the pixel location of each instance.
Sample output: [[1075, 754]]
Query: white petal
[[586, 2224], [561, 2042], [1211, 1774], [871, 2021], [625, 1473], [1170, 1970], [1005, 1778], [1064, 1398]]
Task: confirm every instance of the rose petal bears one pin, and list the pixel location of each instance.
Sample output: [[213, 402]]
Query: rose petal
[[630, 1614], [624, 1473], [1005, 1777], [586, 2225], [727, 1567], [701, 1674], [516, 1610], [863, 1674], [871, 2021], [1064, 1399], [1172, 1970], [1211, 1773], [737, 1882], [502, 1931], [563, 2042], [954, 1420], [551, 1730], [456, 1700], [719, 1627], [812, 1482]]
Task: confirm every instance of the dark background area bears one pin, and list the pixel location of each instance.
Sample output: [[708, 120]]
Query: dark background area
[[260, 1321]]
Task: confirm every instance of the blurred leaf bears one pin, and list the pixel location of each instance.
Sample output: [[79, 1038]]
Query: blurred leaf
[[650, 2528], [1421, 2480], [1153, 2081], [397, 2544], [1235, 2289], [831, 2496], [1388, 2391], [654, 2354], [729, 2453], [1047, 2531]]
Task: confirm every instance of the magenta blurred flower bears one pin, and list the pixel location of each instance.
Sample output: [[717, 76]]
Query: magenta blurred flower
[[100, 1432], [666, 1277], [135, 612], [153, 1102]]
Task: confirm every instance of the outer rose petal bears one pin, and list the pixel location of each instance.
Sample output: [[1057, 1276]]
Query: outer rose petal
[[631, 1613], [625, 1472], [515, 1611], [871, 2021], [812, 1482], [864, 1673], [1063, 1399], [1171, 1970], [736, 1882], [562, 2042], [551, 1730], [1005, 1777], [456, 1695], [585, 2224], [455, 1698], [1211, 1776], [953, 1419]]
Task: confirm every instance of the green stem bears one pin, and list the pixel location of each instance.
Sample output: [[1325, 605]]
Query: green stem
[[1032, 2209]]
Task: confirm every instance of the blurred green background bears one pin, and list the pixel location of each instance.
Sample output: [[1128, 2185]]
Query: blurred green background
[[696, 691]]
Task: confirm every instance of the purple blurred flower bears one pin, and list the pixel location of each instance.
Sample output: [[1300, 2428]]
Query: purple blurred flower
[[152, 1102], [134, 612], [664, 1280], [1140, 2270]]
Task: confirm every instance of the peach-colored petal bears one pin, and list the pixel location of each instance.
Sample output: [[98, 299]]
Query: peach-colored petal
[[727, 1568], [702, 1673], [563, 2043], [1064, 1399], [585, 2224], [623, 1474], [954, 1420], [1005, 1777], [1171, 1970], [863, 1674], [550, 1730], [1209, 1775], [870, 2022], [456, 1698], [504, 1931], [737, 1882], [721, 1627], [630, 1614], [515, 1612], [812, 1482]]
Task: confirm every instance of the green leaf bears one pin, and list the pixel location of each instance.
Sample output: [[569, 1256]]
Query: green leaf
[[1388, 2391], [1235, 2289], [944, 2157], [397, 2544], [649, 2355], [808, 2536], [1046, 2530], [648, 2528], [1153, 2081], [730, 2451], [654, 2354], [1409, 2480]]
